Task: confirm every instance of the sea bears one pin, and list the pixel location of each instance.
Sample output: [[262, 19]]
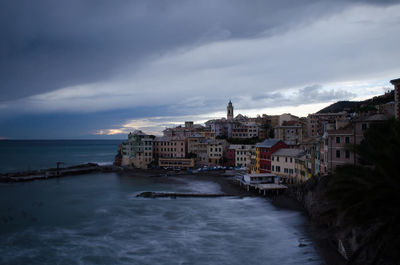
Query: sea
[[26, 155], [98, 219]]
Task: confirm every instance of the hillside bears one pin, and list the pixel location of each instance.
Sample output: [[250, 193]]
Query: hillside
[[354, 106]]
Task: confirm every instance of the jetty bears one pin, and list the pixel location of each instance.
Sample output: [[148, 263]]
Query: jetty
[[56, 172], [151, 194]]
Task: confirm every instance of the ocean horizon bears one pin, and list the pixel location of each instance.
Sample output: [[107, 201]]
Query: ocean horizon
[[26, 155]]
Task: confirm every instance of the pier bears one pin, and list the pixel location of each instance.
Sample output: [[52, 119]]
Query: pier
[[264, 189], [56, 172]]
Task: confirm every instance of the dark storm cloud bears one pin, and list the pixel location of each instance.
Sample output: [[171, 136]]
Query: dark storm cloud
[[46, 45]]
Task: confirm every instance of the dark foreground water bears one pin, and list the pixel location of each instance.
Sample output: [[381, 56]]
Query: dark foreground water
[[97, 219], [23, 155]]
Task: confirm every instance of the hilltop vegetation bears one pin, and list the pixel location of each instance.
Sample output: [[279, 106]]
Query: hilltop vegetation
[[356, 106]]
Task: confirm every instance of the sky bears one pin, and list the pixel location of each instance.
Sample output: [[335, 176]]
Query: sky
[[98, 69]]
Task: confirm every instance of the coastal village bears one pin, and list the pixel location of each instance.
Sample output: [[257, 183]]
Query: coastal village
[[291, 148]]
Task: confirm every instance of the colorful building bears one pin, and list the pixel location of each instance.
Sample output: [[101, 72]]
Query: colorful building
[[340, 151], [303, 168], [215, 152], [138, 150], [176, 163], [264, 151], [242, 154], [169, 147], [229, 157], [283, 164]]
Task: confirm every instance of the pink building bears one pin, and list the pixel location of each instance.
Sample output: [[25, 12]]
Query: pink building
[[339, 148], [339, 141]]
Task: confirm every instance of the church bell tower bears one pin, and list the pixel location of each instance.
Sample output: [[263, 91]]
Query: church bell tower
[[229, 114]]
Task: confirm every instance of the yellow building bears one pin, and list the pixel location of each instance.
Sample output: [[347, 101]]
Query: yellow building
[[283, 164], [303, 169]]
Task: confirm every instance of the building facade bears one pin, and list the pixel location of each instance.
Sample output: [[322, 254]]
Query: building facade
[[283, 164], [317, 122], [169, 147], [138, 150], [339, 148], [291, 133], [264, 151], [242, 154]]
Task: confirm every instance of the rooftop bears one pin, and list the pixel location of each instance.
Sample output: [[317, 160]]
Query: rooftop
[[268, 143], [289, 152]]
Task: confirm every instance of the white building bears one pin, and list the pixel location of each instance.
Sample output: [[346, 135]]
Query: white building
[[264, 178], [242, 154]]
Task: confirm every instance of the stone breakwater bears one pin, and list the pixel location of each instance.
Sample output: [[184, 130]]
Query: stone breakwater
[[56, 172], [150, 194]]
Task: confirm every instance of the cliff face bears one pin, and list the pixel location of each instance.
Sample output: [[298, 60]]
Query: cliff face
[[352, 241]]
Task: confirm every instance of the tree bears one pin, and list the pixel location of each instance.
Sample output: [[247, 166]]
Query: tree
[[271, 133], [367, 195]]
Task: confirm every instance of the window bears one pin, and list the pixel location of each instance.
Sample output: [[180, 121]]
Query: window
[[337, 153], [364, 126], [347, 154], [291, 160], [285, 160], [277, 158], [338, 140], [272, 158], [278, 168], [347, 140], [273, 168]]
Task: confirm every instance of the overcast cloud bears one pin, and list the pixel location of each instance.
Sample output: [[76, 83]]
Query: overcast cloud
[[179, 58]]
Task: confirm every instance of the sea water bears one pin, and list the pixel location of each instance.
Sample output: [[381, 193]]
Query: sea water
[[97, 219], [24, 155]]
